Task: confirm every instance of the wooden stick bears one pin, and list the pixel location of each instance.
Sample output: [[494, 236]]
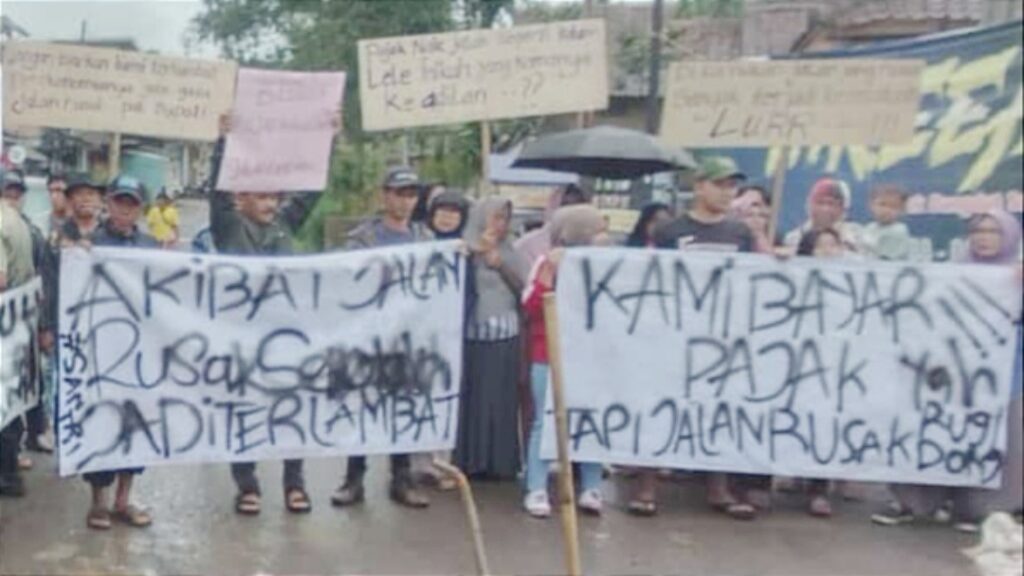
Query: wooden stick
[[466, 492], [485, 158], [566, 493], [114, 160], [778, 185]]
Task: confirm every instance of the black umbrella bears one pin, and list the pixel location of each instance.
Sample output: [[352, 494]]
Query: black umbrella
[[603, 152]]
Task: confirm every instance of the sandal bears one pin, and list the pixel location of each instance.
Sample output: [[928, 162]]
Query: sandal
[[820, 507], [643, 508], [132, 516], [735, 510], [248, 504], [297, 501], [98, 519]]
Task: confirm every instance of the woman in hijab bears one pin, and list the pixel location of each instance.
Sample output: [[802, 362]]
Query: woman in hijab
[[652, 216], [571, 226], [447, 214], [994, 238], [488, 439], [537, 243]]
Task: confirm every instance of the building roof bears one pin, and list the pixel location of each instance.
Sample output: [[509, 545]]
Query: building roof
[[853, 13], [118, 43], [9, 28]]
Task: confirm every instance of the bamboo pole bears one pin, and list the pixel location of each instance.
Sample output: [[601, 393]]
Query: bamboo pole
[[114, 159], [485, 158], [778, 185], [566, 493], [466, 492]]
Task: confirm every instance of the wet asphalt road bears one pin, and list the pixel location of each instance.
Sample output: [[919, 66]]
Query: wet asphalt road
[[197, 532]]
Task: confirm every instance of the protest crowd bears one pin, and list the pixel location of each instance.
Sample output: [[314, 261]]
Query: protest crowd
[[507, 364], [506, 371]]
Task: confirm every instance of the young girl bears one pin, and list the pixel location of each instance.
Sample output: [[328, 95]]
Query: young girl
[[571, 226], [824, 243]]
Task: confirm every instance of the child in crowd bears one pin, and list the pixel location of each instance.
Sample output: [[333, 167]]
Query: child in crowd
[[886, 238], [571, 226], [824, 243]]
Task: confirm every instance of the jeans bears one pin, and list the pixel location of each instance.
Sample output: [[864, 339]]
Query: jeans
[[244, 474], [537, 469]]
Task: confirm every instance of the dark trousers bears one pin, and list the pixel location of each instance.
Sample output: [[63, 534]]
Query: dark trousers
[[244, 474], [10, 447], [106, 478], [400, 468], [36, 421]]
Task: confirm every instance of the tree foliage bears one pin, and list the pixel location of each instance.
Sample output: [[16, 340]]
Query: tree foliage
[[316, 35]]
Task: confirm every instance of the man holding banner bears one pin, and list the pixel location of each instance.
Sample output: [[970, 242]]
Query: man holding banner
[[400, 192], [247, 223], [707, 227], [16, 269], [124, 207]]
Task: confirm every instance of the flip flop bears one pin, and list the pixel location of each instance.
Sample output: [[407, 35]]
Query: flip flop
[[297, 501], [247, 504], [736, 510], [132, 516], [98, 519], [643, 508]]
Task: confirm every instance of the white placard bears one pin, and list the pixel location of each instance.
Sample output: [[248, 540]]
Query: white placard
[[806, 368], [173, 358], [431, 79], [19, 320]]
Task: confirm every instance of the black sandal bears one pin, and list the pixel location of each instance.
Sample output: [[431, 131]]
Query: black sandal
[[247, 503], [297, 501], [643, 508]]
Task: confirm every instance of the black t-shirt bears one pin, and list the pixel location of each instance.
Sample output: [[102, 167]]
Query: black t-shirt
[[689, 234]]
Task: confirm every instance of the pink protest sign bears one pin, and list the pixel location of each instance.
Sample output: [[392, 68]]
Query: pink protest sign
[[281, 131]]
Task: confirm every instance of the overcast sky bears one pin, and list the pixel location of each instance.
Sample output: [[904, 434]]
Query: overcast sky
[[153, 24]]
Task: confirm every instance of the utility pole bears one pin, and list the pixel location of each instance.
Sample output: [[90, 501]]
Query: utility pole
[[654, 81], [82, 39]]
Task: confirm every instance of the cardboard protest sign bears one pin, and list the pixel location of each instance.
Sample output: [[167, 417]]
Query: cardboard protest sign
[[19, 319], [102, 89], [791, 102], [807, 368], [483, 74], [172, 358], [281, 131]]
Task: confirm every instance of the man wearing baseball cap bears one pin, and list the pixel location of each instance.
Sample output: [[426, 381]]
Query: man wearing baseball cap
[[36, 421], [125, 197], [85, 197], [706, 227], [399, 194]]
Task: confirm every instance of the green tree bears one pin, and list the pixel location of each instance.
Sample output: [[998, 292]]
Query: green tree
[[321, 35]]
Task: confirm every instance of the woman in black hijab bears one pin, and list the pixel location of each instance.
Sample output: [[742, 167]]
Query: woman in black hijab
[[447, 214]]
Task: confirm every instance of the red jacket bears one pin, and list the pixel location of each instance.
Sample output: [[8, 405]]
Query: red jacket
[[533, 305]]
